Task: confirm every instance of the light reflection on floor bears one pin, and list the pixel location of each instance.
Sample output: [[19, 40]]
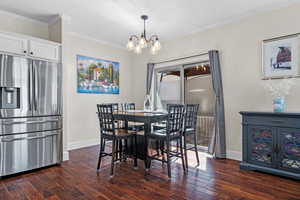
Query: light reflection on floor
[[192, 161]]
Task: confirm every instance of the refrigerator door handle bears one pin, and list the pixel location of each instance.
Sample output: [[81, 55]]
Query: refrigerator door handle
[[20, 138], [29, 87], [38, 137], [32, 122], [35, 87], [29, 138], [11, 140]]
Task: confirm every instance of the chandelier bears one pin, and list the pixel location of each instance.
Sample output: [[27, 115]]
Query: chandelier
[[136, 44]]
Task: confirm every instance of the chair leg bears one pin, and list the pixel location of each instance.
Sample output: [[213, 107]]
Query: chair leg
[[168, 158], [162, 144], [113, 157], [181, 153], [120, 150], [157, 147], [104, 141], [185, 152], [125, 149], [117, 148], [196, 149], [147, 129], [102, 144], [135, 151]]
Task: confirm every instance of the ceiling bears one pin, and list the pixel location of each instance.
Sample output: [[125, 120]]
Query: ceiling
[[113, 21]]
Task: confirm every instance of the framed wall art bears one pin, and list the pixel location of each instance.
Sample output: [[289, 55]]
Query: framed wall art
[[97, 76], [280, 57]]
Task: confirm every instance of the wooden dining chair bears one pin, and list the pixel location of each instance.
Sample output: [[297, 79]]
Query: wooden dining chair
[[108, 132], [172, 132], [190, 129]]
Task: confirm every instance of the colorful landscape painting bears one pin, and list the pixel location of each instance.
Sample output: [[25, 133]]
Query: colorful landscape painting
[[97, 75]]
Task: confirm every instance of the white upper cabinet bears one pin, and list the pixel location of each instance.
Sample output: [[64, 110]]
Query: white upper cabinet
[[44, 50], [11, 44], [29, 46]]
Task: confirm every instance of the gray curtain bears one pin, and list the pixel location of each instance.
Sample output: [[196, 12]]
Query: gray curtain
[[217, 146], [150, 68]]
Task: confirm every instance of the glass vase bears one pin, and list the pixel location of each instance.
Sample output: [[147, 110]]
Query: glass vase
[[279, 104]]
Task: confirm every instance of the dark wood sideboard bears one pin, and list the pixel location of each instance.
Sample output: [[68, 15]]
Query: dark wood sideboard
[[271, 143]]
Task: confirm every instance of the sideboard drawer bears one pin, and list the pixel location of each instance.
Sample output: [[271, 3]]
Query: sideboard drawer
[[272, 121]]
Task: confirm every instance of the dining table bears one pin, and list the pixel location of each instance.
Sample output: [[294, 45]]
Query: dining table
[[147, 118]]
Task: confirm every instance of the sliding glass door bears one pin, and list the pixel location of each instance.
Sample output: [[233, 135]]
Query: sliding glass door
[[188, 84], [198, 90]]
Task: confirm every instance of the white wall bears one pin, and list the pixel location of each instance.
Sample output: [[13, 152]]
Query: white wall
[[82, 123], [14, 23], [239, 44]]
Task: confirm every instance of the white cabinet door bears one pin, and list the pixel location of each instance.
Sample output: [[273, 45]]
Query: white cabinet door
[[44, 50], [13, 44]]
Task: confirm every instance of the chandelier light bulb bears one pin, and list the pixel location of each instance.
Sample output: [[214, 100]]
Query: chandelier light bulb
[[153, 50], [130, 45], [143, 42], [157, 45], [138, 49]]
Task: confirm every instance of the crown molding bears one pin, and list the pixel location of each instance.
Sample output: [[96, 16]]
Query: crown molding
[[63, 17], [17, 16], [237, 18], [54, 20], [80, 35]]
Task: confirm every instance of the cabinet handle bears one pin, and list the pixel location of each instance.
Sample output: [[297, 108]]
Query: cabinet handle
[[31, 53], [24, 51], [277, 148]]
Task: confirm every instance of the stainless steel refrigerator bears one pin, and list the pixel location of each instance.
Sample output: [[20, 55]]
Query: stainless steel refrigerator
[[30, 114]]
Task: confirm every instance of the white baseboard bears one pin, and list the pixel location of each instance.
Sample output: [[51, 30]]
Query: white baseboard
[[65, 155], [82, 144], [234, 155]]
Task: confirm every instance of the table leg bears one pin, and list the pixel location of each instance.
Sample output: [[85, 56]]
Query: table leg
[[125, 141], [147, 127]]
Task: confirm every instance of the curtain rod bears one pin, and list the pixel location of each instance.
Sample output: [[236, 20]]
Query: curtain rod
[[182, 58]]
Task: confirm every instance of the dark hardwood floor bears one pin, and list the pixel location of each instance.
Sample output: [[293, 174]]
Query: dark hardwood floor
[[214, 179]]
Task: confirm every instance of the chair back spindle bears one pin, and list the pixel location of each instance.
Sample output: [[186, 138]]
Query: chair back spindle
[[115, 107], [129, 106]]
